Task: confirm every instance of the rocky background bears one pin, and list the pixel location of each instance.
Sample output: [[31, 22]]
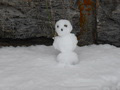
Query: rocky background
[[26, 19], [108, 18], [29, 22]]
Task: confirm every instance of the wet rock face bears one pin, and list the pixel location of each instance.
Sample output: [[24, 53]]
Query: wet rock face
[[31, 18], [108, 27], [21, 19]]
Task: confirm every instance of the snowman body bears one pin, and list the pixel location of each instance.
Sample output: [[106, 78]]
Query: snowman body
[[65, 42]]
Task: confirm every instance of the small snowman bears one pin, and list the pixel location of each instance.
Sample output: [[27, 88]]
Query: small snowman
[[66, 43]]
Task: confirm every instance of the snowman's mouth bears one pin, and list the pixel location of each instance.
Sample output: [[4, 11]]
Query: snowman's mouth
[[61, 29]]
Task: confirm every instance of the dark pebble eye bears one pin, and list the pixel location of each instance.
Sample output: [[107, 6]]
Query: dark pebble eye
[[57, 26], [65, 25]]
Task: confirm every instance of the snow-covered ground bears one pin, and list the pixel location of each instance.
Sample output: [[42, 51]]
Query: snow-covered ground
[[35, 68]]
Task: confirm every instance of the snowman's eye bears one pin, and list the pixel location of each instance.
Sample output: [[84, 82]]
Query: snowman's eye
[[57, 26], [65, 25]]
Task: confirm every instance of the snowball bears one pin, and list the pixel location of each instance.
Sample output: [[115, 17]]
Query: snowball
[[66, 43], [69, 58], [63, 27]]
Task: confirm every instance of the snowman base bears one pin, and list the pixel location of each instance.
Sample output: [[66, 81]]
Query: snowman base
[[68, 58]]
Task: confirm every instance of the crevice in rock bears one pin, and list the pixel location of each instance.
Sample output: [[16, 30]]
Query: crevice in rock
[[26, 42]]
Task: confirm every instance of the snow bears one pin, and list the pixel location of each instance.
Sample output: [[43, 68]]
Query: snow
[[68, 58], [35, 68], [66, 43]]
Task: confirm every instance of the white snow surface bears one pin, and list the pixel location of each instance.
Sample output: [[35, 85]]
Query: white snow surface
[[35, 68]]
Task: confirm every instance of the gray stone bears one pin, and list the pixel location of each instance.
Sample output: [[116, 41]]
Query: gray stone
[[22, 19], [108, 18]]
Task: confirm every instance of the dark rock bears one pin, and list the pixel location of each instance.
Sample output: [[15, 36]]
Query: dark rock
[[22, 19], [26, 42], [109, 22]]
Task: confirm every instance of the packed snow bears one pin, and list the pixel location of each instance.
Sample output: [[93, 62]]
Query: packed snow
[[65, 42], [35, 68]]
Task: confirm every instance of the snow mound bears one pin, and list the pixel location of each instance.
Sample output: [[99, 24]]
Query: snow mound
[[35, 68]]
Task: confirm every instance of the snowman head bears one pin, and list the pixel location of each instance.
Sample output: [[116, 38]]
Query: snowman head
[[63, 27]]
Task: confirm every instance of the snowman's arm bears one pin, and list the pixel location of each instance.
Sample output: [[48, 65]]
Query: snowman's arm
[[74, 39], [55, 43]]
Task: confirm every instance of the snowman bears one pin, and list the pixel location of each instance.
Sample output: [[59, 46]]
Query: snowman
[[65, 42]]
